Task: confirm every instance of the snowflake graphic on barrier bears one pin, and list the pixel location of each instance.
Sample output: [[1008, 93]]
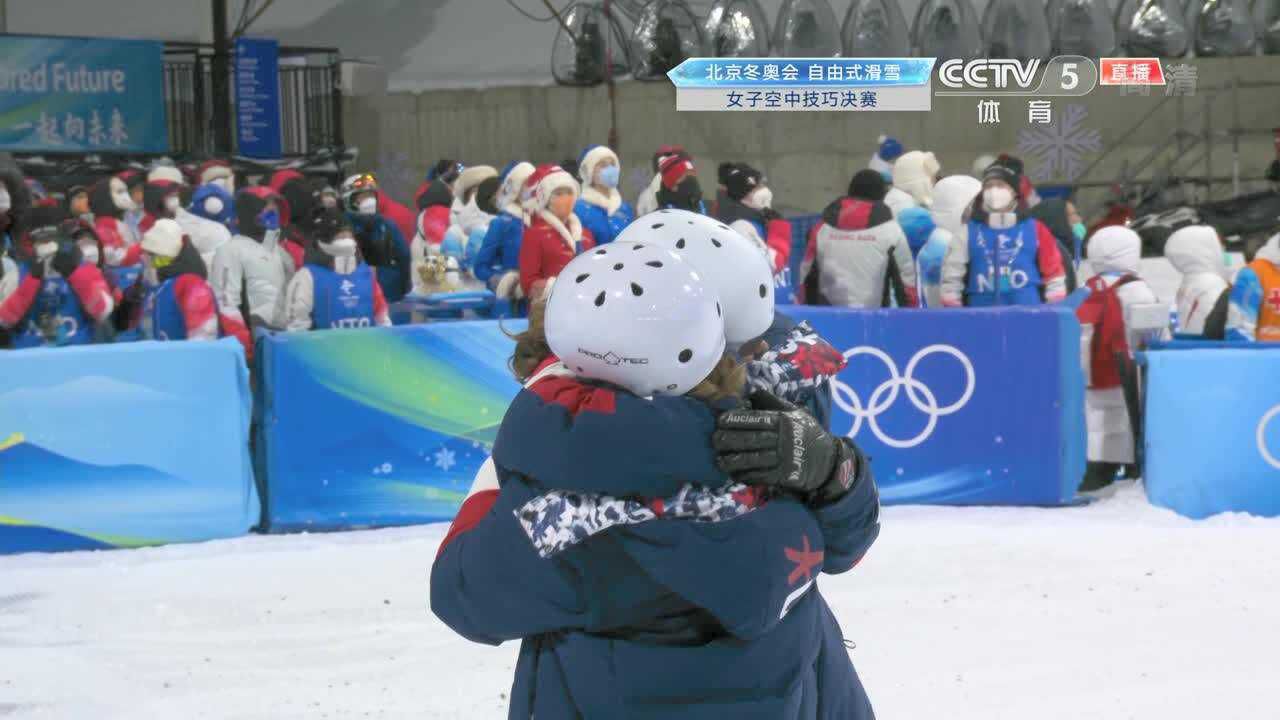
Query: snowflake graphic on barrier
[[1057, 151], [445, 459]]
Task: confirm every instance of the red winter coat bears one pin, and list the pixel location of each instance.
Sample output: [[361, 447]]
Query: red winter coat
[[544, 250], [398, 214]]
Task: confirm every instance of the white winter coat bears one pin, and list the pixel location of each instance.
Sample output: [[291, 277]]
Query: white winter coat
[[206, 235], [1113, 252], [913, 174], [952, 196], [8, 278], [647, 202], [897, 200], [259, 270], [1197, 253]]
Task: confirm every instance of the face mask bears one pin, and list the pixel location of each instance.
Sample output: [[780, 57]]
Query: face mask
[[342, 246], [5, 201], [269, 220], [172, 203], [123, 200], [1079, 230], [90, 252], [329, 201], [368, 206], [222, 182], [46, 250], [608, 176], [760, 199], [997, 199], [213, 206]]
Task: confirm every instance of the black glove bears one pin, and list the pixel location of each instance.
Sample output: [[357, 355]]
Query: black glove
[[67, 259], [777, 444]]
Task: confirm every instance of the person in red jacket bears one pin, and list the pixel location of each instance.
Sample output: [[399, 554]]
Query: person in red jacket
[[62, 299], [109, 199], [554, 235]]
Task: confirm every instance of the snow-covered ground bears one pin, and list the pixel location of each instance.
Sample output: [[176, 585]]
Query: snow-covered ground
[[1116, 610]]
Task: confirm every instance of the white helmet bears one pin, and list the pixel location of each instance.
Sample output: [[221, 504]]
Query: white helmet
[[637, 316], [732, 264]]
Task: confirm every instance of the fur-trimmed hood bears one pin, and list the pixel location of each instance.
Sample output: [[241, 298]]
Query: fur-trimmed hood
[[570, 232]]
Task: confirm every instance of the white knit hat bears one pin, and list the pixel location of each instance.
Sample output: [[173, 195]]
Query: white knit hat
[[168, 173], [593, 157], [163, 239]]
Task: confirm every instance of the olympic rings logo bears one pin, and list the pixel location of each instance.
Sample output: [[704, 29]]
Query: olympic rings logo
[[917, 393], [1261, 437]]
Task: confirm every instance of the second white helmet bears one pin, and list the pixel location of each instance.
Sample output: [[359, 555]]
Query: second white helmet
[[733, 265], [637, 316]]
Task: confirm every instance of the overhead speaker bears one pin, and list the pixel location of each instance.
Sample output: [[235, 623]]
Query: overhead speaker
[[946, 29], [1080, 27], [1015, 29], [737, 28], [582, 43], [665, 35], [1152, 28], [875, 28], [807, 28], [1222, 28]]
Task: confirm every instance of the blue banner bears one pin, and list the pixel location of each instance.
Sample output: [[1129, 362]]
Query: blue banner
[[1212, 427], [801, 72], [257, 90], [81, 95], [961, 406], [380, 426], [124, 445]]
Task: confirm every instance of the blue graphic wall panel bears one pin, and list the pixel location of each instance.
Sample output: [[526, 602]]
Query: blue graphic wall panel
[[124, 445], [981, 406], [379, 426], [1213, 430]]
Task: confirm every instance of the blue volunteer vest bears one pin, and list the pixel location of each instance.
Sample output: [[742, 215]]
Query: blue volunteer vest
[[342, 301], [161, 317], [783, 291], [55, 318], [1003, 268]]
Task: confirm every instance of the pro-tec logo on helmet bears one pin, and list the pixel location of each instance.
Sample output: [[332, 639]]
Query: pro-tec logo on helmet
[[612, 358]]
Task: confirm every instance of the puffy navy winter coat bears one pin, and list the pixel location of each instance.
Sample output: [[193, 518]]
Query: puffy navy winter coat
[[666, 619]]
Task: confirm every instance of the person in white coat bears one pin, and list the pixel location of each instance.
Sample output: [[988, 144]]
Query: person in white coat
[[647, 200], [205, 235], [334, 289], [1115, 253], [913, 177], [251, 271], [1196, 252]]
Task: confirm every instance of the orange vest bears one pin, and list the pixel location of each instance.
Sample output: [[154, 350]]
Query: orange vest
[[1269, 308]]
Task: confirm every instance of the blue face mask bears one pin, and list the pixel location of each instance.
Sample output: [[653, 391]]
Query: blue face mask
[[1079, 230], [269, 220], [609, 175]]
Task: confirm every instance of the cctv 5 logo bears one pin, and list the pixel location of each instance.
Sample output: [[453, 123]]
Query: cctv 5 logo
[[1065, 75], [988, 74]]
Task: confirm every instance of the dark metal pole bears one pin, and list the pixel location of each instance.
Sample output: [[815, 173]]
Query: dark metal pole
[[220, 77], [608, 78]]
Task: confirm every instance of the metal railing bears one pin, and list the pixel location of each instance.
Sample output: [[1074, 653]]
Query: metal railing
[[310, 99]]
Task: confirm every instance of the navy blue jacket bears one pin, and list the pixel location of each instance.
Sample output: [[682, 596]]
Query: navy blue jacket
[[666, 619], [384, 248]]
